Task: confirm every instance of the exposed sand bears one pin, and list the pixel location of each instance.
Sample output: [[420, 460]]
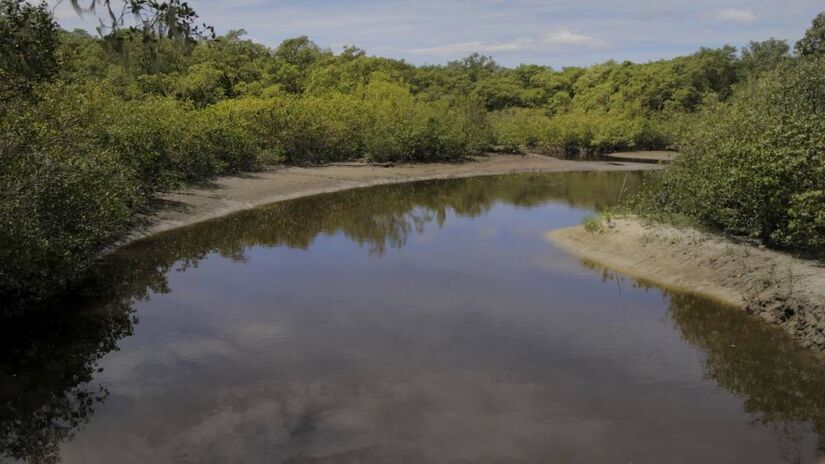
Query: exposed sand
[[648, 156], [782, 289], [230, 194]]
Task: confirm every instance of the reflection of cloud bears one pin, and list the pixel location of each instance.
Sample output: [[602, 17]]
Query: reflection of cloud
[[126, 371], [197, 349], [258, 333], [379, 421], [487, 232]]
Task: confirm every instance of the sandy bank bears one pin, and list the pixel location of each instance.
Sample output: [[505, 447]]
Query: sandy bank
[[230, 194], [645, 156], [779, 288]]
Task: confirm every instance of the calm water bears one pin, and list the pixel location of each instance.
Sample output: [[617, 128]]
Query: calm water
[[429, 322]]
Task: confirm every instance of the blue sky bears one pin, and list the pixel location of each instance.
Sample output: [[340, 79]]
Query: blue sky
[[547, 32]]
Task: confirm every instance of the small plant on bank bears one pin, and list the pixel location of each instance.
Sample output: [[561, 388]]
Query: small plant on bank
[[596, 222]]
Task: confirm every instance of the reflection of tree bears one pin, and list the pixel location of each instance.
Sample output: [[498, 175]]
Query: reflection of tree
[[383, 216], [47, 360], [48, 357], [780, 381]]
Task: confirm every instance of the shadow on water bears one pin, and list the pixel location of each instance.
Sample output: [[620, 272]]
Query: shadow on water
[[782, 384], [49, 356], [47, 363]]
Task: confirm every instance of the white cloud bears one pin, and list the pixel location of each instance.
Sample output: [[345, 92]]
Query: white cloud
[[565, 38], [475, 46], [732, 14], [558, 39]]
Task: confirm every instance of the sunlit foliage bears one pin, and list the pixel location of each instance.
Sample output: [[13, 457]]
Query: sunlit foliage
[[755, 165]]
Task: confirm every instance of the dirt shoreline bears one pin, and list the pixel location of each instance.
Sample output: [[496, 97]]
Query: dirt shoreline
[[779, 288], [236, 193], [645, 156]]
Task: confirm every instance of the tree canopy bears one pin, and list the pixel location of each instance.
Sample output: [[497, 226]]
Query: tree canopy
[[813, 42], [28, 56]]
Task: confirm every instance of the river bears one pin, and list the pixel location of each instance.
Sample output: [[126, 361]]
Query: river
[[424, 322]]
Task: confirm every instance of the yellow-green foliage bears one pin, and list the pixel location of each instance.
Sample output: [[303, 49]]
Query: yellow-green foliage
[[516, 129], [382, 121], [316, 129], [574, 134], [398, 126], [593, 224], [166, 141]]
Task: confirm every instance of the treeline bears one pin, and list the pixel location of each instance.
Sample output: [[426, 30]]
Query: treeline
[[92, 128], [573, 111]]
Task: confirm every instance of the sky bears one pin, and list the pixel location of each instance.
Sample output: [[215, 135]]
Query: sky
[[547, 32]]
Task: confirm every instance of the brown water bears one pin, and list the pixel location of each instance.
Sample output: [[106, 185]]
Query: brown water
[[427, 322]]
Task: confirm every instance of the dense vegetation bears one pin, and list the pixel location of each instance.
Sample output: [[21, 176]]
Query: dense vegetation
[[92, 128], [754, 165]]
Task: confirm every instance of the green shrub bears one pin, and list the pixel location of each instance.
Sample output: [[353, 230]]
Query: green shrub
[[144, 134], [61, 202], [593, 224], [265, 120], [77, 165], [29, 35], [574, 134], [322, 128], [168, 142], [470, 120], [202, 85], [518, 129], [806, 219], [395, 126], [225, 138], [755, 166], [383, 121]]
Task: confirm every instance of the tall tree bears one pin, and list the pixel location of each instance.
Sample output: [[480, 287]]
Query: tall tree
[[476, 66], [758, 57], [813, 43]]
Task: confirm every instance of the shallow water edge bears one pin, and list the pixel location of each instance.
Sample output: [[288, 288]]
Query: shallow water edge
[[232, 194], [779, 288]]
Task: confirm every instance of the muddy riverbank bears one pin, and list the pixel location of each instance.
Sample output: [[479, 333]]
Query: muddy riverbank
[[236, 193], [779, 288]]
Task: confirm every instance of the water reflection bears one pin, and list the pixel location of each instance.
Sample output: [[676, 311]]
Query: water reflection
[[47, 364], [49, 357], [782, 384], [384, 216]]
